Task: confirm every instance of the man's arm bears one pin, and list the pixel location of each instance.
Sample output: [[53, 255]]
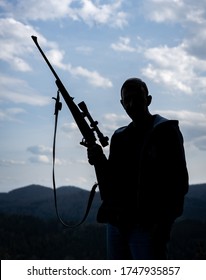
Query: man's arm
[[97, 158]]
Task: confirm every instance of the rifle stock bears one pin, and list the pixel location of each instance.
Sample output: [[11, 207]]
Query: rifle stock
[[86, 130]]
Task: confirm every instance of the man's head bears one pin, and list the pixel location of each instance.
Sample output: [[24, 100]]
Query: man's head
[[135, 99]]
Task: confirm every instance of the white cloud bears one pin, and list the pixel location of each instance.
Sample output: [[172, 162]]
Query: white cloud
[[189, 15], [18, 91], [93, 12], [11, 162], [187, 117], [10, 114], [93, 77], [84, 50], [56, 58], [176, 69], [42, 154], [195, 43], [40, 149], [39, 10], [113, 121], [40, 159], [180, 67], [79, 181], [15, 43], [68, 127], [90, 12], [201, 143], [123, 45], [193, 125], [182, 11], [164, 10], [173, 67]]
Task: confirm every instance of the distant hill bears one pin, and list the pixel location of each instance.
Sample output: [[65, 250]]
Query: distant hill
[[30, 229], [38, 201], [195, 203], [197, 191]]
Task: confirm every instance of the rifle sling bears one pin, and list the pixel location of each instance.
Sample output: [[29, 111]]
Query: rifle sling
[[92, 192]]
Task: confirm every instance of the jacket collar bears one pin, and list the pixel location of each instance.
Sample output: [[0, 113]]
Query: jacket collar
[[159, 120]]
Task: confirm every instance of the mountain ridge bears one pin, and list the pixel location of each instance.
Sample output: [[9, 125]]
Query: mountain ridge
[[37, 200], [30, 228]]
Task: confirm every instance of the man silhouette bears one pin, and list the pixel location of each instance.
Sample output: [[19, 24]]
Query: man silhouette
[[144, 180]]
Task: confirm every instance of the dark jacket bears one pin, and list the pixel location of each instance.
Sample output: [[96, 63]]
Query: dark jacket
[[147, 176]]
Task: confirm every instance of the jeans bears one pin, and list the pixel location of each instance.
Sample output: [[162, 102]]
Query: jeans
[[134, 243]]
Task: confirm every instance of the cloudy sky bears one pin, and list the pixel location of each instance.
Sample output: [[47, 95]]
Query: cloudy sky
[[94, 45]]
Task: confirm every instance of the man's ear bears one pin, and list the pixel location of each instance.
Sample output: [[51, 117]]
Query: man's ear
[[149, 100]]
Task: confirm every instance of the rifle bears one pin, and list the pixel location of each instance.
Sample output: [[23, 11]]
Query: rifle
[[88, 131]]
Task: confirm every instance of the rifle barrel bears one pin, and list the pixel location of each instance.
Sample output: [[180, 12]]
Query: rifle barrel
[[44, 56]]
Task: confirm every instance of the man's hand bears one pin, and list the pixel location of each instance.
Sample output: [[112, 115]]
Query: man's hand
[[95, 154]]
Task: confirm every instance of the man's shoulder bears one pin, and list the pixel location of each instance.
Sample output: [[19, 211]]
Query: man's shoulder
[[120, 130], [160, 120], [167, 127], [123, 129]]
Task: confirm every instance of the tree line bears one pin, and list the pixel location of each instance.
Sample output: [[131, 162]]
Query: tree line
[[27, 237]]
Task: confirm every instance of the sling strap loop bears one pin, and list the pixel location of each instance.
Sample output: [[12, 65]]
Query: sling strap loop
[[58, 107]]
